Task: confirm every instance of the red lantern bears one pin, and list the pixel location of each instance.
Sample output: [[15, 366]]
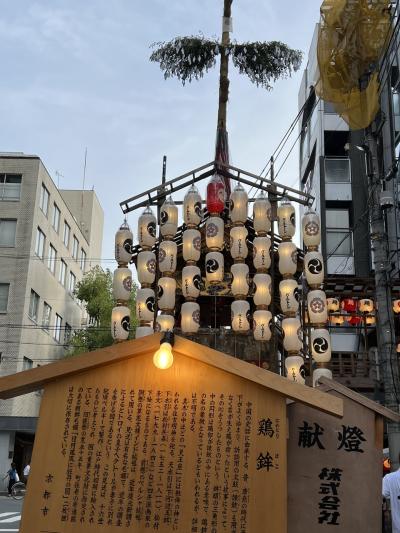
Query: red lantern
[[216, 195], [355, 320], [349, 305]]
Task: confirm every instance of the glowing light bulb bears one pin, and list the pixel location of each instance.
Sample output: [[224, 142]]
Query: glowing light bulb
[[163, 358]]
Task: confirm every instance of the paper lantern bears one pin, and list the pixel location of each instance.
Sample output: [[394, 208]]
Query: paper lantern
[[146, 267], [167, 253], [120, 322], [366, 305], [261, 253], [147, 227], [317, 310], [191, 282], [192, 211], [292, 335], [190, 317], [321, 345], [168, 218], [370, 320], [165, 322], [145, 305], [240, 282], [143, 331], [262, 325], [314, 268], [123, 245], [354, 320], [332, 305], [396, 306], [215, 233], [295, 369], [122, 284], [191, 245], [214, 267], [238, 205], [216, 194], [240, 311], [287, 258], [311, 227], [261, 215], [321, 373], [336, 319], [238, 243], [289, 296], [349, 305], [398, 348], [262, 289], [166, 293], [286, 220]]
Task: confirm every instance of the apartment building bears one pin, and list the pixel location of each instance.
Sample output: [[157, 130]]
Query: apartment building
[[48, 239]]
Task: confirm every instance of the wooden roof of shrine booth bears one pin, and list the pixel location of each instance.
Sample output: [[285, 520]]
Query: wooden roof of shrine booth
[[121, 444]]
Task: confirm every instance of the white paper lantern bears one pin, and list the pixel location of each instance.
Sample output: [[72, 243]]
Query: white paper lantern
[[321, 373], [336, 319], [145, 305], [321, 345], [314, 268], [262, 289], [191, 245], [122, 284], [332, 305], [292, 334], [143, 331], [295, 369], [147, 229], [238, 243], [261, 215], [370, 320], [238, 205], [240, 282], [214, 267], [366, 305], [191, 282], [123, 245], [146, 267], [311, 228], [261, 253], [286, 220], [289, 296], [240, 312], [166, 293], [192, 211], [215, 233], [262, 325], [120, 322], [317, 308], [167, 254], [190, 317], [168, 219], [287, 258], [396, 306], [165, 322]]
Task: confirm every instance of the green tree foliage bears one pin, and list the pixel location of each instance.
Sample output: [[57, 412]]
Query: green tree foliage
[[95, 292]]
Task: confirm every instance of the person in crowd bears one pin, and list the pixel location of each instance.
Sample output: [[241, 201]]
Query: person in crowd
[[12, 475], [391, 491]]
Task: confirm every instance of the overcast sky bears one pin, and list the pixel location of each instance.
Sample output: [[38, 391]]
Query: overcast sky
[[76, 74]]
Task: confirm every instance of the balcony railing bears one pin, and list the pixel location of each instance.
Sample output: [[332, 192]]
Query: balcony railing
[[337, 170], [354, 369]]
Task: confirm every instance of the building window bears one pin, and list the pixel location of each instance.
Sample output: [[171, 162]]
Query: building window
[[71, 282], [75, 248], [67, 333], [337, 170], [34, 305], [63, 273], [67, 233], [57, 327], [51, 262], [10, 187], [56, 218], [44, 200], [4, 291], [83, 260], [40, 240], [338, 234], [46, 315], [27, 363], [329, 108], [8, 230]]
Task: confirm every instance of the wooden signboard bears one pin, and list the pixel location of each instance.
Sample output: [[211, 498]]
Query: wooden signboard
[[335, 465]]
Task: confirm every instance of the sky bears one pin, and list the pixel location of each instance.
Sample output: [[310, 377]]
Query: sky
[[77, 75]]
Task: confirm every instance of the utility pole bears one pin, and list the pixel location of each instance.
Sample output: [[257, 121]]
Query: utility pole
[[383, 297]]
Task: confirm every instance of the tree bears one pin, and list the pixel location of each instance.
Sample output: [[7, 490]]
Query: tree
[[95, 292]]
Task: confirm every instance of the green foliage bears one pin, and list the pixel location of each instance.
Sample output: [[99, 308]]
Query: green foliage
[[95, 292]]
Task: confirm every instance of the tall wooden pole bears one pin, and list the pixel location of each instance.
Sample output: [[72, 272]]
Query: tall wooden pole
[[224, 66]]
